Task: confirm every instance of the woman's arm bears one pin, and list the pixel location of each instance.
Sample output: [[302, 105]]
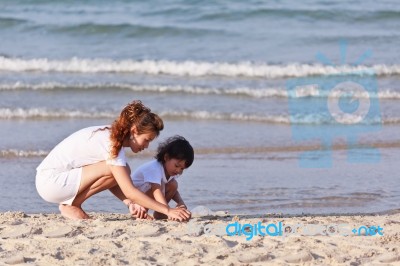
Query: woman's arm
[[158, 195], [120, 195], [136, 210], [120, 174]]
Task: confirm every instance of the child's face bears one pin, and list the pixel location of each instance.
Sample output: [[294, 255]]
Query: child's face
[[174, 166]]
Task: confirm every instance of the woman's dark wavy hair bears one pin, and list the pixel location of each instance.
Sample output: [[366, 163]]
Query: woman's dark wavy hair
[[133, 114], [176, 147]]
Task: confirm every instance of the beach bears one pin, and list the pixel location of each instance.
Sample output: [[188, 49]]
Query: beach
[[117, 239], [224, 76]]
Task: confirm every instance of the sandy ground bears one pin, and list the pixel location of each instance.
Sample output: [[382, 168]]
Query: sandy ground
[[117, 239]]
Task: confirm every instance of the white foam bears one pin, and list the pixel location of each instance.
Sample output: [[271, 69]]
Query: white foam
[[189, 68], [306, 91]]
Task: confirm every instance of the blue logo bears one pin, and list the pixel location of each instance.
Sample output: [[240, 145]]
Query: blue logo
[[280, 229], [325, 108]]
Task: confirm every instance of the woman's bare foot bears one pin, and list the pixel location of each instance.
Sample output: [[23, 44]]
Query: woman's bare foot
[[72, 212]]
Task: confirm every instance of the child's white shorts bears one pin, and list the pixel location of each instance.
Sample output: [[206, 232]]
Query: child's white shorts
[[58, 187]]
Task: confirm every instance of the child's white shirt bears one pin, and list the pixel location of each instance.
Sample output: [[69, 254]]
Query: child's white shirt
[[148, 173]]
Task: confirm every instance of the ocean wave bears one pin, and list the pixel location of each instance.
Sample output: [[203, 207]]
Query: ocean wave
[[167, 89], [43, 113], [331, 14], [311, 119], [12, 153], [6, 22], [240, 91], [17, 153], [131, 30], [239, 151], [190, 68]]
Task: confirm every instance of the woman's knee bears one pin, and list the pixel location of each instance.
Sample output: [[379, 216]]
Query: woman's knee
[[109, 181]]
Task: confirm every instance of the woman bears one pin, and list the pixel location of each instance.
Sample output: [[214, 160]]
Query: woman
[[93, 159]]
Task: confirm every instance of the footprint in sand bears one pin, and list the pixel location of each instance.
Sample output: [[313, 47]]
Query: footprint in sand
[[105, 232], [16, 231], [302, 256], [17, 259], [246, 257], [388, 258], [57, 232], [146, 230]]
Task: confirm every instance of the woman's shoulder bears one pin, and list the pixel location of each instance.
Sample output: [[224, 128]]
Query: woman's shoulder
[[89, 133]]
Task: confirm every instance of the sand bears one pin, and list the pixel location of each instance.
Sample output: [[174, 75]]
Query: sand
[[117, 239]]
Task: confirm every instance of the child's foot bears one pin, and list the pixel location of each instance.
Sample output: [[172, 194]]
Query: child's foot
[[159, 216], [72, 212]]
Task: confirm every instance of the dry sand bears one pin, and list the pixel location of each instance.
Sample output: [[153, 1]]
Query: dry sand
[[117, 239]]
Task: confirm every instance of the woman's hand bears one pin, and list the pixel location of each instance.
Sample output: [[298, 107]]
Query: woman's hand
[[179, 214], [138, 211]]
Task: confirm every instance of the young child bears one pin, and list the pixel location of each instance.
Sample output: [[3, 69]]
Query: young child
[[157, 178]]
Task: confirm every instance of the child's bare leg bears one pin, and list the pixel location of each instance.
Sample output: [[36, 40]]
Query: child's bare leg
[[170, 189], [95, 178]]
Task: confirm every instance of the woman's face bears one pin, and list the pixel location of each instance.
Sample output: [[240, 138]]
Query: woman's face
[[139, 142]]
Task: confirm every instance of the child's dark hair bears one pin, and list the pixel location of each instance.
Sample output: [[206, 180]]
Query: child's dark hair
[[176, 147]]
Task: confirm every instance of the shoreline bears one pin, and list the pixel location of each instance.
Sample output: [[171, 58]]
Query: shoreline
[[248, 216], [117, 239]]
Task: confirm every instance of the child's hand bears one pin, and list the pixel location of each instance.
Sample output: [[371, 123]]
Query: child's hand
[[181, 205], [179, 214], [139, 212]]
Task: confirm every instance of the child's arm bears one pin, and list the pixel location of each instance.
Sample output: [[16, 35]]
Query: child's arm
[[159, 196], [179, 201]]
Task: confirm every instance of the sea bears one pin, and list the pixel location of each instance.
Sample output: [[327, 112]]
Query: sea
[[221, 74]]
